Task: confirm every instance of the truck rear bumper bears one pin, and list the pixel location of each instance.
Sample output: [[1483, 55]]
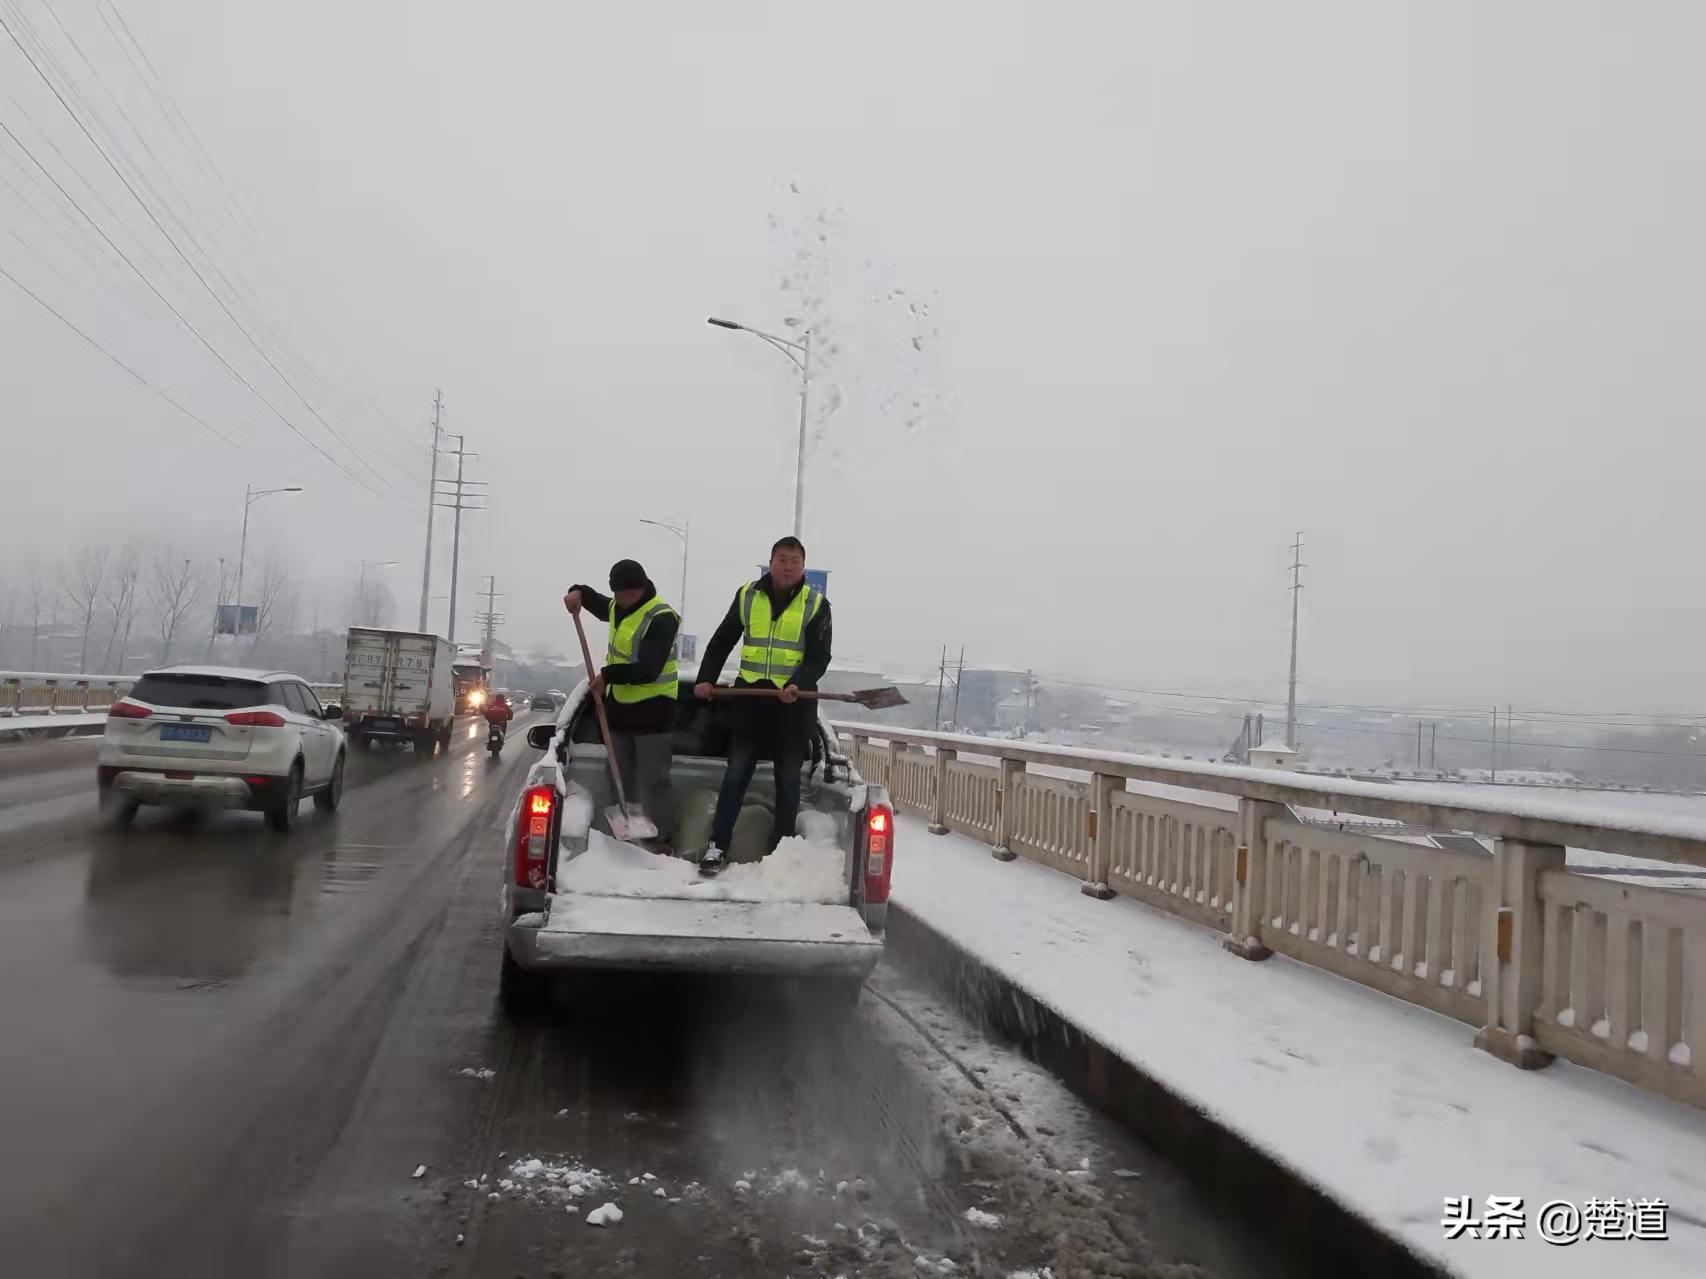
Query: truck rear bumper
[[784, 939]]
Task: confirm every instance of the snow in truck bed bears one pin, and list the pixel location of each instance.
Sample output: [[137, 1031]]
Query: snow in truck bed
[[798, 871]]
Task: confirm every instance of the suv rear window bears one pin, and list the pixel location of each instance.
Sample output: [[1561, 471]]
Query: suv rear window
[[201, 692]]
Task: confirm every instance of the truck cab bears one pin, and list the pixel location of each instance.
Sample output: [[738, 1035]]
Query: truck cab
[[570, 900]]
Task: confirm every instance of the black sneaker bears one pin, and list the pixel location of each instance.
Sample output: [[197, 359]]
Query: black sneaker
[[711, 861]]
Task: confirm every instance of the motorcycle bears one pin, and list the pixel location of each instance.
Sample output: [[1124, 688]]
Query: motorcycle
[[494, 737]]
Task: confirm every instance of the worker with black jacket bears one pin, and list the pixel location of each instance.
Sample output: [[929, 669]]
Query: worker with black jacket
[[783, 626], [638, 683]]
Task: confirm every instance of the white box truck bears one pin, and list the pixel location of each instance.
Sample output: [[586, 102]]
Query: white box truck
[[398, 688]]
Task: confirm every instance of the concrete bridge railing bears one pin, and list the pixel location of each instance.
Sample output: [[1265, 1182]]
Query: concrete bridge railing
[[1543, 961], [35, 693]]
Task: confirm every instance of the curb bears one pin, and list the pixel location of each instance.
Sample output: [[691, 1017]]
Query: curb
[[47, 732], [1318, 1234]]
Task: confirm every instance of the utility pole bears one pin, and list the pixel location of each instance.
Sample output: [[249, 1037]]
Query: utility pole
[[491, 619], [1495, 776], [959, 675], [432, 495], [1418, 746], [1291, 689], [459, 502], [941, 675], [1433, 747]]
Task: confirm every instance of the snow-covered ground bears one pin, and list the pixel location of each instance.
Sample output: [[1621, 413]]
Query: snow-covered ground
[[1387, 1106]]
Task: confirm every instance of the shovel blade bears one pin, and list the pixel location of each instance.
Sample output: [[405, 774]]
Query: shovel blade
[[877, 699], [629, 828]]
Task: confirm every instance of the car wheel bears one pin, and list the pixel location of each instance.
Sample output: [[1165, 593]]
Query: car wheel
[[281, 814], [520, 992], [327, 800]]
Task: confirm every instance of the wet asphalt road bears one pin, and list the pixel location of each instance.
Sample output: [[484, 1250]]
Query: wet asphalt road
[[226, 1051]]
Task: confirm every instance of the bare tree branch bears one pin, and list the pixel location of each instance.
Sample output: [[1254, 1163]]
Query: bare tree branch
[[174, 588], [119, 599], [88, 574]]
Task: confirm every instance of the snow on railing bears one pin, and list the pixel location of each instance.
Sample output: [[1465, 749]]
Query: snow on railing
[[974, 795], [1178, 856], [1401, 917], [1623, 987], [1545, 962]]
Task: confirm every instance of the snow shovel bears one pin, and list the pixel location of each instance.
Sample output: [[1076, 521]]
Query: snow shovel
[[875, 699], [629, 828]]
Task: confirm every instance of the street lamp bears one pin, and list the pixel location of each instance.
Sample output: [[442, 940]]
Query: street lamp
[[250, 497], [681, 531], [801, 354], [361, 590]]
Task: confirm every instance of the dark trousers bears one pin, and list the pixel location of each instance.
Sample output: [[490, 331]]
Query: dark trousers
[[644, 759], [762, 731]]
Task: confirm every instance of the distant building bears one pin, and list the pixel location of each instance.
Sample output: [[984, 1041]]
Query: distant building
[[983, 691], [1273, 753]]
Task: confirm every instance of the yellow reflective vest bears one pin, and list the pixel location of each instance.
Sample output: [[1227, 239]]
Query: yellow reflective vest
[[773, 647], [624, 646]]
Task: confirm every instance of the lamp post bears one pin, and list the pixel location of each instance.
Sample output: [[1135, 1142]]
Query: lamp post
[[801, 354], [361, 590], [680, 530], [250, 497]]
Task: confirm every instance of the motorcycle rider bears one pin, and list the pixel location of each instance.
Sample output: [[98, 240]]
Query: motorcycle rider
[[498, 713]]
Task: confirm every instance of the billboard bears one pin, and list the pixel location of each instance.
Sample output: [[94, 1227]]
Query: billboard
[[236, 619]]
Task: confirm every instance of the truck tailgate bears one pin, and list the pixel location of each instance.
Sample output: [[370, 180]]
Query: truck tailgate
[[672, 934]]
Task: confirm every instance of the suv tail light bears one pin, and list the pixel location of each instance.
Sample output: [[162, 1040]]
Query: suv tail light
[[255, 719], [879, 852], [533, 835], [127, 710]]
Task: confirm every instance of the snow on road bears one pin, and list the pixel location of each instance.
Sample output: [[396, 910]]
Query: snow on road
[[1387, 1106]]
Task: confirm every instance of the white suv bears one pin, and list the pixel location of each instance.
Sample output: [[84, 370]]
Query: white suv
[[221, 737]]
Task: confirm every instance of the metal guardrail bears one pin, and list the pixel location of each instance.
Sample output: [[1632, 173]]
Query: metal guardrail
[[1543, 961]]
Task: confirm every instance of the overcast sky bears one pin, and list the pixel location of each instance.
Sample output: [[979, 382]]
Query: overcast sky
[[1109, 299]]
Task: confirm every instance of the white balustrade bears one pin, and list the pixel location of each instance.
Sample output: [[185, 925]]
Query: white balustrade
[[1545, 961]]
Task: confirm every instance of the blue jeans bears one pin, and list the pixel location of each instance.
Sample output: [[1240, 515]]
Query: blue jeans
[[751, 742]]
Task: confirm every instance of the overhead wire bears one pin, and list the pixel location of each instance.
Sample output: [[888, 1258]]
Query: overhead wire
[[164, 395], [184, 224], [111, 163]]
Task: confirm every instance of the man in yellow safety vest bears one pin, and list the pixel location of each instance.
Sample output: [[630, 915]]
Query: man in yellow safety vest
[[638, 683], [783, 627]]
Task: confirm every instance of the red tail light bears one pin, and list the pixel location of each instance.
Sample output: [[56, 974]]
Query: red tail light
[[879, 852], [255, 719], [533, 835], [127, 710]]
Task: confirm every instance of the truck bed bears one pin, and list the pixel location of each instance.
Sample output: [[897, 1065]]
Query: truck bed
[[799, 912], [672, 934]]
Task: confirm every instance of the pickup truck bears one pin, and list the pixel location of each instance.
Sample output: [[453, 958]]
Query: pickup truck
[[554, 924]]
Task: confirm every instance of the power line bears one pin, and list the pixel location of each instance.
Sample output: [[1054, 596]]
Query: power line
[[200, 278], [168, 107], [46, 306]]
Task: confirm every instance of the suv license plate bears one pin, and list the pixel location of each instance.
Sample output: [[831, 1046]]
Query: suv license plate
[[185, 733]]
